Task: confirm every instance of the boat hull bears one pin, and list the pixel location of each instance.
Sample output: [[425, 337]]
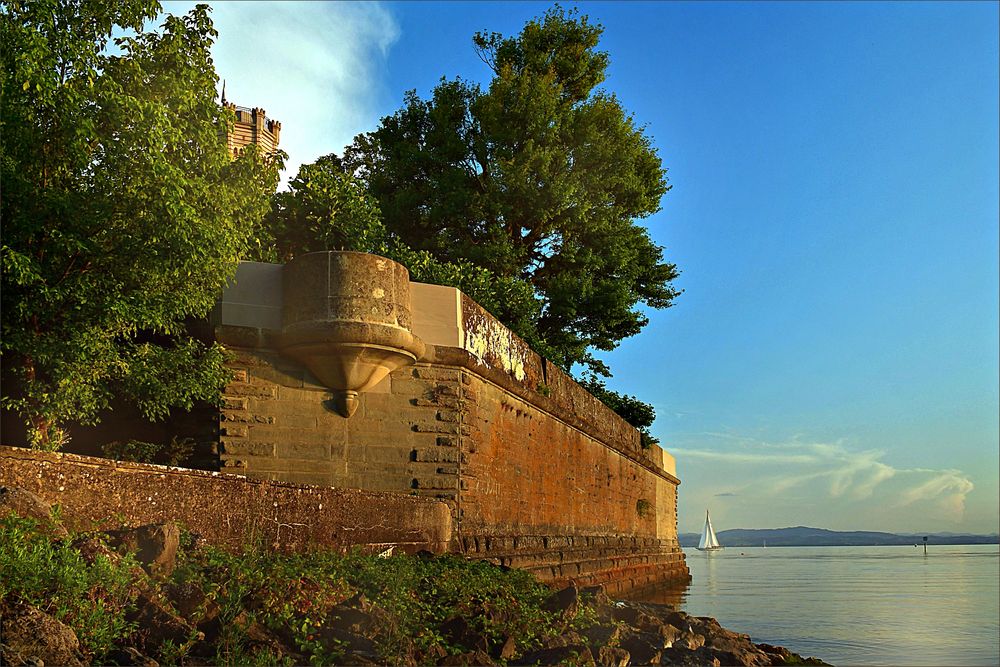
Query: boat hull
[[709, 548]]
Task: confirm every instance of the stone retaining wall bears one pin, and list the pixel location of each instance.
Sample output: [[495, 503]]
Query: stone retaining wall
[[227, 510], [538, 473]]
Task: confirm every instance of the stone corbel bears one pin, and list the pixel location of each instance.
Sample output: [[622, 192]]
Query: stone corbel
[[346, 317]]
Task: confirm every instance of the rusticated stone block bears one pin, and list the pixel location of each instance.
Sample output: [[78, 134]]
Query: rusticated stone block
[[447, 416], [230, 430], [435, 482], [235, 403], [436, 455], [436, 427], [244, 417], [240, 389]]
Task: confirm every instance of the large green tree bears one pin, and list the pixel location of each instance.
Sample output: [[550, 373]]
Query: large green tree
[[540, 178], [123, 213]]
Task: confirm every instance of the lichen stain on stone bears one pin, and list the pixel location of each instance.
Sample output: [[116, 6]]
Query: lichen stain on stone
[[378, 293], [491, 343]]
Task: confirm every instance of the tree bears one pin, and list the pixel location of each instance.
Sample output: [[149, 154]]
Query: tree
[[539, 179], [326, 208], [123, 212]]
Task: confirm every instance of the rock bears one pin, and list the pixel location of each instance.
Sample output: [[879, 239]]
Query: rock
[[574, 654], [745, 658], [350, 619], [566, 639], [670, 635], [601, 635], [130, 656], [608, 656], [357, 601], [475, 658], [564, 602], [508, 649], [156, 624], [782, 656], [191, 603], [690, 641], [625, 614], [457, 631], [29, 505], [30, 636], [347, 640], [154, 545], [679, 620], [360, 660], [90, 547], [707, 626], [683, 657], [643, 647], [432, 653]]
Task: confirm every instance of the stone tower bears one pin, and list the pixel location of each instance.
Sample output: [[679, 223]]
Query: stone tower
[[251, 126]]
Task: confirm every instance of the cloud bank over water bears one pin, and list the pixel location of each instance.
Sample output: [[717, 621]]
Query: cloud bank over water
[[314, 66], [826, 485]]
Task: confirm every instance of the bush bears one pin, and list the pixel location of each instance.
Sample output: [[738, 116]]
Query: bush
[[175, 452], [91, 598]]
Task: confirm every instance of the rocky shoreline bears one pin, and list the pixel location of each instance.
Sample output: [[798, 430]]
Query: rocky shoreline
[[168, 619]]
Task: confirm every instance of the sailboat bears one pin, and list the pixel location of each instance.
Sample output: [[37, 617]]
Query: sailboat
[[708, 542]]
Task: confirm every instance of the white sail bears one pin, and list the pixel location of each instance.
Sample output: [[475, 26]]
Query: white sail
[[708, 542]]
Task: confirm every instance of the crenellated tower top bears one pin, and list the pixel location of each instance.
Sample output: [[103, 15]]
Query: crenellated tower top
[[252, 126]]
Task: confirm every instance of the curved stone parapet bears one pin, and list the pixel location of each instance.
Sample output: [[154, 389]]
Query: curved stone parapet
[[346, 317]]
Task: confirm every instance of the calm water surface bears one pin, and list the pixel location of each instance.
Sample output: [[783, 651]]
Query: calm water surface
[[854, 605]]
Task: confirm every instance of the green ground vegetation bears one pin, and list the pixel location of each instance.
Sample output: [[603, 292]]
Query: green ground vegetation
[[284, 596]]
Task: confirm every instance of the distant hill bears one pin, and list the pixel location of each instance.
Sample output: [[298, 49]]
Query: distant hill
[[802, 536]]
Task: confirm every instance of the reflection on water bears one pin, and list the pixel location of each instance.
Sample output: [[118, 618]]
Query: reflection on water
[[852, 605], [670, 593]]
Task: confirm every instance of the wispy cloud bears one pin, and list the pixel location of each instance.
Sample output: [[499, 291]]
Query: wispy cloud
[[828, 480], [314, 66]]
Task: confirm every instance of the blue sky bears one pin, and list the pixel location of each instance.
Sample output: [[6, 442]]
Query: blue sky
[[833, 360]]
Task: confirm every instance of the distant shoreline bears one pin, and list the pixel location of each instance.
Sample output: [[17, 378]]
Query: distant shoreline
[[802, 536]]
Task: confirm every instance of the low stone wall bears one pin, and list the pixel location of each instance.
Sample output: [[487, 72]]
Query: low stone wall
[[229, 511]]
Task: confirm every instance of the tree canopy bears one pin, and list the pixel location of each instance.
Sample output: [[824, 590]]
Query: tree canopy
[[326, 208], [123, 212], [539, 179]]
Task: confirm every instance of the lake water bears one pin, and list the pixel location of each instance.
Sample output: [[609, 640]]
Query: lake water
[[854, 605]]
